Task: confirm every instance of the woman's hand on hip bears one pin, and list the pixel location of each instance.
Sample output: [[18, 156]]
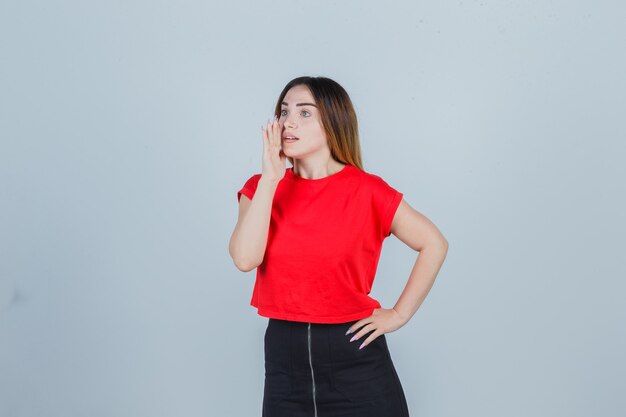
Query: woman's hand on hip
[[382, 320]]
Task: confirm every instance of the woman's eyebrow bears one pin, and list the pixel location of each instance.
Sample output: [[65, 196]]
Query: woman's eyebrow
[[300, 104]]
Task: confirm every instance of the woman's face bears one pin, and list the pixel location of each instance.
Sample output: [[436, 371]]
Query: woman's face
[[299, 117]]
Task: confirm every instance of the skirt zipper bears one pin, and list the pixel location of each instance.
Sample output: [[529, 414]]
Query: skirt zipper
[[312, 375]]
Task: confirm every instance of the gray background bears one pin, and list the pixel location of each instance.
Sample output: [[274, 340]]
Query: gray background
[[128, 126]]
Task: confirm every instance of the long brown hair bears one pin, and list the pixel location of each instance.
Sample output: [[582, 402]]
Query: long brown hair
[[337, 116]]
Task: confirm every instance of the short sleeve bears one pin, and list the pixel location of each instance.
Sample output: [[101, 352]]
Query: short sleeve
[[249, 187], [387, 200]]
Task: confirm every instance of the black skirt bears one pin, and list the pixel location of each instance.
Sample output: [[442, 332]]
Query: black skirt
[[313, 370]]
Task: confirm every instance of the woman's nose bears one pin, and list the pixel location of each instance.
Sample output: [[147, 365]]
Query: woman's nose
[[288, 120]]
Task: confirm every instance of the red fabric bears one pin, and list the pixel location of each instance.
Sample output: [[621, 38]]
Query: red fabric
[[324, 243]]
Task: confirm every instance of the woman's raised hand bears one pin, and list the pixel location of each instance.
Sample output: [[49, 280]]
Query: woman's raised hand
[[273, 156]]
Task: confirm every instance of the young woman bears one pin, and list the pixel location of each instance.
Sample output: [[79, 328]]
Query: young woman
[[314, 232]]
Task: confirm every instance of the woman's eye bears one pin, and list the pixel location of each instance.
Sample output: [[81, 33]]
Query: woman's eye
[[284, 113]]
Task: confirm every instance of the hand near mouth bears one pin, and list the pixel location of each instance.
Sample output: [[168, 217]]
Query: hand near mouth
[[273, 156]]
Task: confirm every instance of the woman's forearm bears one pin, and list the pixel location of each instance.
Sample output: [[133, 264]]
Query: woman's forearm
[[421, 280], [249, 240]]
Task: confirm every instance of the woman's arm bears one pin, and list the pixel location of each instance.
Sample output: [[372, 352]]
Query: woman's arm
[[420, 234], [249, 239]]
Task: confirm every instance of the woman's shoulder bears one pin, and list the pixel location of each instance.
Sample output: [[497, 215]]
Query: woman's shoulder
[[372, 178], [253, 179]]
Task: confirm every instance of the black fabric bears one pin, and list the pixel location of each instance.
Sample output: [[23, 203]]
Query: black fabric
[[348, 382]]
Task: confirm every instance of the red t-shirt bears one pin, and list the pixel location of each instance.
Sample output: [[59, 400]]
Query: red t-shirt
[[324, 243]]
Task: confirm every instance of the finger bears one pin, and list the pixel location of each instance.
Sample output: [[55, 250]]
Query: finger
[[270, 134], [371, 337], [365, 330], [356, 326], [275, 134], [353, 328], [266, 141]]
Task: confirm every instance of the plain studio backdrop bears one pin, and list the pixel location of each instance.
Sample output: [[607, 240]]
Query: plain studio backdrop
[[127, 128]]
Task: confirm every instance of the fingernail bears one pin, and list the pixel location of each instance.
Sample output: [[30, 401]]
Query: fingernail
[[353, 337], [361, 347], [349, 331]]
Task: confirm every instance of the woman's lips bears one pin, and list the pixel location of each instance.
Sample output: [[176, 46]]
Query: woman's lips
[[290, 138]]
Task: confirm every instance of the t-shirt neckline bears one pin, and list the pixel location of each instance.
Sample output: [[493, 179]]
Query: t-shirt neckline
[[298, 178]]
